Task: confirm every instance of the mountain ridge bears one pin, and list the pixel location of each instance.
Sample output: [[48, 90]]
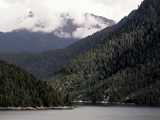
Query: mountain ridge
[[30, 41], [125, 69]]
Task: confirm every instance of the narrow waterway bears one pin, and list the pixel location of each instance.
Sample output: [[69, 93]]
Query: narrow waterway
[[86, 113]]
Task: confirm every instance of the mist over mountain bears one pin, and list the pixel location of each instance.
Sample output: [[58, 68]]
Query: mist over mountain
[[125, 67], [117, 65], [68, 25], [38, 39], [81, 27], [120, 64], [68, 53]]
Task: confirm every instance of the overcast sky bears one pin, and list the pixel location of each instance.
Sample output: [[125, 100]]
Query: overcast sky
[[14, 12]]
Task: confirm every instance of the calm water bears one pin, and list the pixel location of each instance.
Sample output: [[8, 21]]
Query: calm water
[[86, 113]]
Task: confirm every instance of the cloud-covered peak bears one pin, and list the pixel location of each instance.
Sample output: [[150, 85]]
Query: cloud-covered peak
[[65, 25], [82, 25], [46, 12]]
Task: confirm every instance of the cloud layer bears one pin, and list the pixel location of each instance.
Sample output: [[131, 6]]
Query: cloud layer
[[14, 13]]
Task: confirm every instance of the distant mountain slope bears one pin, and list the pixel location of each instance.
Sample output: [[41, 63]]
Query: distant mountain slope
[[69, 31], [20, 89], [26, 41], [43, 65], [125, 69]]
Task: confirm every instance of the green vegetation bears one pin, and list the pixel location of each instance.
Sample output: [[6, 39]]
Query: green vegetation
[[43, 65], [119, 64], [20, 89], [124, 69]]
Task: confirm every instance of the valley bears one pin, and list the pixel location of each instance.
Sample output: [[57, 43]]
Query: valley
[[117, 64]]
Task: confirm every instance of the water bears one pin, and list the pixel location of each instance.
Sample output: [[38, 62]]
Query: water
[[86, 113]]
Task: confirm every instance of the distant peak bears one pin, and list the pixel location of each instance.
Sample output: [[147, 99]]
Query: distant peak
[[69, 25], [82, 26]]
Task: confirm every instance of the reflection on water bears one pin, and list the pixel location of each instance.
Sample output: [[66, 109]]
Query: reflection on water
[[86, 113]]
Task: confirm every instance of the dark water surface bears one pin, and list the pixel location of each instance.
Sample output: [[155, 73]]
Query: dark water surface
[[86, 113]]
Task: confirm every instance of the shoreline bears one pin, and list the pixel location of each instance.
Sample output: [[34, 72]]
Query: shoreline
[[75, 105], [107, 104], [36, 108]]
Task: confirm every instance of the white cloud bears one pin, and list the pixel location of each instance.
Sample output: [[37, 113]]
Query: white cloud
[[13, 12], [87, 24]]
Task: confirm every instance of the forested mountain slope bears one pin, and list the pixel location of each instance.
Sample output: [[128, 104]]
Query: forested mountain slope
[[126, 68], [20, 89], [16, 45], [43, 65]]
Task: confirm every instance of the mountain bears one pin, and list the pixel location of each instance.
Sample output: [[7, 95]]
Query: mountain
[[20, 89], [81, 27], [35, 41], [44, 64], [70, 25], [119, 64], [19, 41], [125, 68]]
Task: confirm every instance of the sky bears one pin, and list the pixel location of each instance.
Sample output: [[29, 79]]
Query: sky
[[14, 13]]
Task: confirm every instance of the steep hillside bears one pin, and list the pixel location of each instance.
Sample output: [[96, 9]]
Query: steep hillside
[[126, 68], [20, 89]]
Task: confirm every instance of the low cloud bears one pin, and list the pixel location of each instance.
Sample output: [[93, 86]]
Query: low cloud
[[15, 14]]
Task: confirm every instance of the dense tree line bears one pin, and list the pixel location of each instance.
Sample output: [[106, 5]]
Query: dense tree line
[[20, 89], [126, 67]]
